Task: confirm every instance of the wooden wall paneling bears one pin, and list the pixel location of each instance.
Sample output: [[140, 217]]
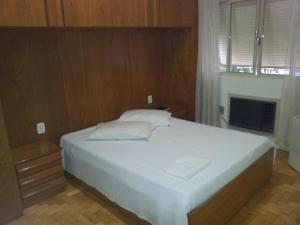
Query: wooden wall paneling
[[146, 69], [105, 13], [108, 72], [31, 86], [110, 63], [179, 80], [10, 202], [174, 13], [180, 65], [87, 13], [78, 84], [73, 79], [150, 13], [130, 13], [18, 13], [96, 13], [54, 11]]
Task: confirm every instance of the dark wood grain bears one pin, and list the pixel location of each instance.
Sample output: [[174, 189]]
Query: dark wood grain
[[33, 151], [77, 78], [174, 13], [97, 13], [180, 65], [109, 72], [10, 203], [72, 79], [31, 85], [179, 80], [54, 10], [37, 165], [40, 175], [105, 13], [43, 191], [23, 13]]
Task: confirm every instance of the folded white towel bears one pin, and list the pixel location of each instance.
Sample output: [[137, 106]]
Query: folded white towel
[[187, 167]]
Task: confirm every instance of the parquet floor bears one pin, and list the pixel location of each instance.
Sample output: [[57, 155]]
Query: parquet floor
[[278, 203]]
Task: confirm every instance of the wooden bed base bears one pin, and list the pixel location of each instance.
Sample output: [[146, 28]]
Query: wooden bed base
[[229, 200], [219, 209]]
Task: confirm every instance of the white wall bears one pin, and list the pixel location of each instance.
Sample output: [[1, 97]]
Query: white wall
[[247, 85]]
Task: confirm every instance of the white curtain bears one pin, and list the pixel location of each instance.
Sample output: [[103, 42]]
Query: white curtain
[[208, 78], [290, 102]]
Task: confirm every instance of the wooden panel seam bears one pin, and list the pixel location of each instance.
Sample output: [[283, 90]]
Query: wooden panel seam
[[46, 12]]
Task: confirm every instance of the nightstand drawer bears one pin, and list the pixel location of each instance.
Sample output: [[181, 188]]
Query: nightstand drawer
[[40, 192], [38, 164], [41, 177], [40, 172]]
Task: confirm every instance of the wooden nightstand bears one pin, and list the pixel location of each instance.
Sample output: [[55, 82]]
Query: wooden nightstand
[[39, 171], [178, 111]]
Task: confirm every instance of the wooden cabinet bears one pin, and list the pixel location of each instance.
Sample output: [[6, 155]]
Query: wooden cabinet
[[40, 172], [105, 13], [174, 13], [10, 203], [97, 13], [30, 13], [129, 13], [54, 13]]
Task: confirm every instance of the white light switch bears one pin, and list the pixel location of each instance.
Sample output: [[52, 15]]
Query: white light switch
[[150, 99], [40, 128]]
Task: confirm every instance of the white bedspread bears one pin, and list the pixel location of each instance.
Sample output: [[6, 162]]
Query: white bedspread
[[132, 173]]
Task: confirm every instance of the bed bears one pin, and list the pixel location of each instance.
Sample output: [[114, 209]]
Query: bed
[[132, 173]]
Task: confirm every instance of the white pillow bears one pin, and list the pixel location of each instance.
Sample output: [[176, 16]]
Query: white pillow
[[118, 130], [158, 118]]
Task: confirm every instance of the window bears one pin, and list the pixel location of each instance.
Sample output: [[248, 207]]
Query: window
[[254, 36], [297, 58], [242, 30]]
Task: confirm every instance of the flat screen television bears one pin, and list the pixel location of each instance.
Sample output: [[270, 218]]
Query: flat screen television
[[252, 114]]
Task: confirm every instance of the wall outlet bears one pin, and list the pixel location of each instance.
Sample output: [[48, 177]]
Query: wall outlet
[[150, 99], [40, 128]]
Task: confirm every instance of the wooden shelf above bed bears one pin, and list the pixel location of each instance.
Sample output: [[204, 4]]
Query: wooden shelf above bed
[[104, 13]]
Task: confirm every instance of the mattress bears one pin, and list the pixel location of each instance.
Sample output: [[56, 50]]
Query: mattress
[[132, 173]]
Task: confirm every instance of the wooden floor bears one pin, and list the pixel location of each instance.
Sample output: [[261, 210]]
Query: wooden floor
[[276, 204]]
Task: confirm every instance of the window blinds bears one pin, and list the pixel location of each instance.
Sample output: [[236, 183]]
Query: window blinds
[[223, 32], [277, 20], [238, 19], [297, 55], [243, 17]]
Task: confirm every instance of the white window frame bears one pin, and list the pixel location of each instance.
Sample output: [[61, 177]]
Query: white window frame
[[258, 40]]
